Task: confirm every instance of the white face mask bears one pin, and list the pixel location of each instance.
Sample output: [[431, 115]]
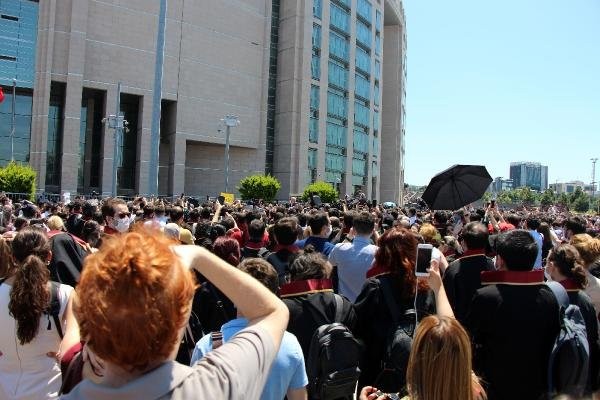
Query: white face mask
[[121, 224]]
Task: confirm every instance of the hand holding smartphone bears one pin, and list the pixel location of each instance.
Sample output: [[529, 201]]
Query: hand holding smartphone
[[423, 262]]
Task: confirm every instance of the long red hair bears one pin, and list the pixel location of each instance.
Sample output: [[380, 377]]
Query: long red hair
[[397, 254]]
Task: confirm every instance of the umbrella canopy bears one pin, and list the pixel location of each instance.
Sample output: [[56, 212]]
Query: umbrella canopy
[[456, 187]]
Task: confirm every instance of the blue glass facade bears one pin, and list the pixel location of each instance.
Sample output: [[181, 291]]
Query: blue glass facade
[[363, 10], [313, 125], [18, 37], [22, 126], [317, 8], [338, 75], [339, 19], [363, 34], [339, 47], [363, 60]]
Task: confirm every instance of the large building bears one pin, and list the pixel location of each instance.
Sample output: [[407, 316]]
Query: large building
[[571, 187], [318, 86], [529, 174]]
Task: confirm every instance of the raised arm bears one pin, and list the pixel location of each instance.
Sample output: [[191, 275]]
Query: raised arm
[[253, 300], [435, 283]]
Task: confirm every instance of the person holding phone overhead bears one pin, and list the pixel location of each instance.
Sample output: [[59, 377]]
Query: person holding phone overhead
[[391, 279]]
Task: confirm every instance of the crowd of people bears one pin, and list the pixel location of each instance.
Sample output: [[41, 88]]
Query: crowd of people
[[148, 299]]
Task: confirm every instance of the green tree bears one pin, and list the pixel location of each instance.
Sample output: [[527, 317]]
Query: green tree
[[581, 204], [259, 187], [525, 195], [487, 196], [506, 197], [563, 199], [325, 190], [547, 198], [17, 178]]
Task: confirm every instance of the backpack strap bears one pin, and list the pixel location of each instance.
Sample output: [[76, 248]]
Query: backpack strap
[[560, 293], [216, 339], [54, 308], [339, 308]]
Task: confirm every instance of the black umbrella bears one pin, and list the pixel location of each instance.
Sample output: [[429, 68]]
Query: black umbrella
[[456, 187]]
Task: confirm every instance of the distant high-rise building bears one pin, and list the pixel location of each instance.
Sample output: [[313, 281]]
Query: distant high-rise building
[[499, 185], [529, 174]]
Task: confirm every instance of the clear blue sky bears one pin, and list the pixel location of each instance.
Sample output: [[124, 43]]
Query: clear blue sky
[[490, 82]]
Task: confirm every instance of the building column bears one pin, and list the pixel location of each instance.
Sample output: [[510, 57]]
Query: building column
[[41, 91], [177, 149], [72, 121]]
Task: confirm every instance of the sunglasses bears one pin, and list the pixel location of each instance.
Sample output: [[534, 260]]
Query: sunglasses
[[123, 215]]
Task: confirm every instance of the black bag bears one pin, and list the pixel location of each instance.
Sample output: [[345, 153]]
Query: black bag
[[333, 359], [392, 377], [568, 368], [193, 333], [54, 309]]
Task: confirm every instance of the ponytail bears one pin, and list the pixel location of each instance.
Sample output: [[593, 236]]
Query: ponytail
[[29, 297], [566, 258]]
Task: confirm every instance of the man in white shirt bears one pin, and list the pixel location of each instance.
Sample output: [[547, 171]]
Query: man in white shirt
[[355, 258]]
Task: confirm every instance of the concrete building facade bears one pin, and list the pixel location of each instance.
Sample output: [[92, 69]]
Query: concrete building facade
[[250, 58]]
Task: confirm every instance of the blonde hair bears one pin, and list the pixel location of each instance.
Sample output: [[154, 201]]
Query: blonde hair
[[55, 223], [588, 248], [430, 234], [439, 367]]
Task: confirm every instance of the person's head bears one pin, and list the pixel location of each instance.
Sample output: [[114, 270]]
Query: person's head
[[227, 249], [21, 223], [544, 229], [55, 223], [285, 231], [171, 230], [29, 296], [256, 230], [516, 251], [216, 231], [205, 213], [309, 264], [176, 215], [397, 253], [363, 223], [88, 210], [412, 211], [91, 233], [319, 225], [532, 222], [440, 217], [116, 215], [148, 212], [440, 366], [474, 236], [588, 248], [574, 226], [450, 245], [564, 263], [513, 219], [262, 271], [430, 234], [134, 281], [348, 219]]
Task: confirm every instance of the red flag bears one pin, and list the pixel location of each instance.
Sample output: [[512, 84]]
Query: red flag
[[1, 95]]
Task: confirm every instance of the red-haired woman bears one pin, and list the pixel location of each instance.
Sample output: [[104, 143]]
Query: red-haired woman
[[391, 285]]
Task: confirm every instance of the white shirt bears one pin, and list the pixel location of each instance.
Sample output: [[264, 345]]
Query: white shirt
[[352, 261], [26, 372]]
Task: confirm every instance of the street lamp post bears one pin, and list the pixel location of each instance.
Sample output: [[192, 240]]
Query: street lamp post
[[117, 122], [229, 121]]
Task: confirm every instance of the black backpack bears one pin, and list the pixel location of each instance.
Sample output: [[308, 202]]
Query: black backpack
[[333, 358], [568, 367], [392, 377]]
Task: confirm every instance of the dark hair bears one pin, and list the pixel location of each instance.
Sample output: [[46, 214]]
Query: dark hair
[[533, 222], [302, 219], [576, 224], [441, 217], [363, 223], [203, 229], [475, 235], [317, 222], [91, 233], [205, 213], [262, 271], [29, 296], [544, 229], [194, 215], [286, 231], [518, 249], [513, 219], [88, 210], [349, 219], [176, 213], [148, 210], [20, 223], [108, 208], [216, 231], [228, 223], [256, 230], [227, 249], [566, 258], [6, 262], [309, 264]]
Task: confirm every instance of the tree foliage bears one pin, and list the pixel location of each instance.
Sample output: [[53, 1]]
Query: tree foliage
[[17, 178], [325, 190], [259, 187], [547, 198]]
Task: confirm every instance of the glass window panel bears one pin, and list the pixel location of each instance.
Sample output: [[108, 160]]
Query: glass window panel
[[378, 20], [314, 97], [377, 69], [335, 162], [317, 8], [363, 60], [359, 167], [361, 86], [374, 169], [378, 44], [316, 36], [315, 67], [376, 121], [336, 135], [360, 141], [376, 95], [339, 46], [337, 105], [363, 34], [340, 18], [338, 75], [363, 9], [361, 114], [313, 130], [375, 147], [312, 158]]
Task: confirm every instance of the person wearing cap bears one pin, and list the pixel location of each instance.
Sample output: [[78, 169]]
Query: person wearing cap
[[354, 259]]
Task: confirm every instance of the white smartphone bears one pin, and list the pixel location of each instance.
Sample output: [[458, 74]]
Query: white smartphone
[[423, 259]]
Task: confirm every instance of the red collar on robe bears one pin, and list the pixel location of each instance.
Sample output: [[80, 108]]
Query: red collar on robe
[[291, 248], [376, 270], [570, 285], [297, 288], [471, 253], [520, 278]]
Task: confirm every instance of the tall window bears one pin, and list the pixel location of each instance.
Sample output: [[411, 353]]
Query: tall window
[[378, 44], [360, 141], [55, 136], [339, 46], [130, 105], [361, 87], [337, 105], [363, 34], [315, 67], [22, 136], [338, 75], [316, 36], [340, 18], [90, 140], [313, 125], [312, 165], [377, 70], [378, 21], [363, 10], [361, 114], [375, 122], [336, 133], [317, 8], [376, 94], [363, 60]]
